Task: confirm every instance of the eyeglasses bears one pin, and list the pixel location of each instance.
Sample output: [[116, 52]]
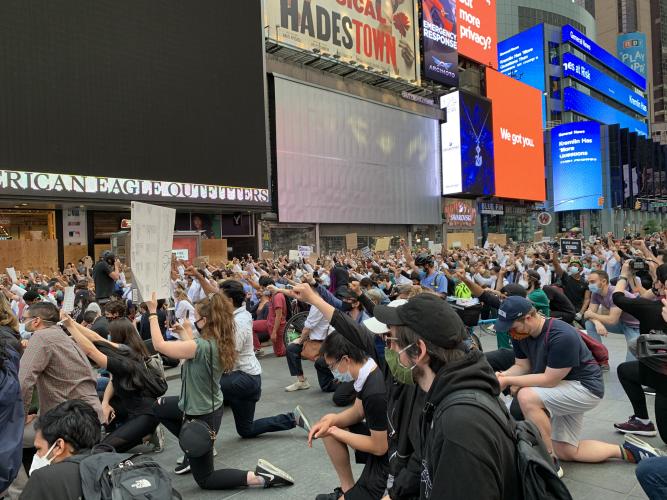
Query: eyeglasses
[[333, 365], [388, 340]]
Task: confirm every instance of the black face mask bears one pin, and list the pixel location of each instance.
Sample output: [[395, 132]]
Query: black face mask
[[196, 323], [346, 307]]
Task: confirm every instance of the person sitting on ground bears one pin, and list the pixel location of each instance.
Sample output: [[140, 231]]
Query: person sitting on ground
[[274, 325], [94, 320], [531, 282], [559, 305], [556, 380], [70, 428], [575, 285]]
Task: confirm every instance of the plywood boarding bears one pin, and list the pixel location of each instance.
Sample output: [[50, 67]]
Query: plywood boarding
[[72, 253], [27, 255], [462, 240], [99, 249], [215, 249], [497, 238]]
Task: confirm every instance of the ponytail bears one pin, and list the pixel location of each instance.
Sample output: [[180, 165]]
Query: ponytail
[[220, 327]]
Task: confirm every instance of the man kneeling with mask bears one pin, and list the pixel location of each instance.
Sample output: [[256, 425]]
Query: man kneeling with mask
[[69, 429]]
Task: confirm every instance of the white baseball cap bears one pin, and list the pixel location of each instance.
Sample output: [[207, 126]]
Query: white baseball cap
[[379, 328]]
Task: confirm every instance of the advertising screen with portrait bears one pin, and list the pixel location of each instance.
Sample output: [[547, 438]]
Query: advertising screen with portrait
[[440, 42]]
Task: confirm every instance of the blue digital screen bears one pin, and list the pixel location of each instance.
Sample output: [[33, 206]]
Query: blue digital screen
[[576, 158], [522, 57], [439, 30], [585, 44], [596, 79], [574, 100], [477, 162]]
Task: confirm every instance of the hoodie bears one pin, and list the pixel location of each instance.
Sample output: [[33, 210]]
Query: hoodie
[[465, 453]]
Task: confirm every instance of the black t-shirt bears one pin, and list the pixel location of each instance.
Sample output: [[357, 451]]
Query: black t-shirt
[[559, 345], [373, 396], [124, 369], [101, 327], [59, 481], [575, 290], [490, 299], [104, 284], [558, 301]]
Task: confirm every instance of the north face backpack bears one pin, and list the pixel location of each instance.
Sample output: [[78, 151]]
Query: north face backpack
[[120, 476], [535, 471]]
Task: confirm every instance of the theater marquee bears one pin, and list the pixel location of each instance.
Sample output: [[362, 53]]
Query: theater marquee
[[56, 186]]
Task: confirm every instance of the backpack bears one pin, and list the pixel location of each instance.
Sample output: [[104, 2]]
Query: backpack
[[155, 382], [11, 416], [118, 476], [535, 471]]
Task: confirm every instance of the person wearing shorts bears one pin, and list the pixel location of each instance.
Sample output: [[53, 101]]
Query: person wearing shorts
[[556, 380]]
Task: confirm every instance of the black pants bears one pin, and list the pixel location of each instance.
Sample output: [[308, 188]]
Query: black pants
[[344, 393], [131, 432], [242, 391], [167, 411], [634, 374], [564, 316]]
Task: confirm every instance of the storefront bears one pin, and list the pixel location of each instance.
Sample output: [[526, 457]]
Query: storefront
[[460, 216], [517, 222]]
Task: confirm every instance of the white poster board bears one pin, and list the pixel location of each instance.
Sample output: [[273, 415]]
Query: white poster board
[[181, 254], [304, 251], [367, 252], [294, 255], [68, 299], [11, 272], [151, 245]]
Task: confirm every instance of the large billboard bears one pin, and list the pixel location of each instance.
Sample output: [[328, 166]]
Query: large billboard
[[379, 34], [631, 50], [441, 57], [517, 134], [522, 57], [124, 100], [589, 75], [588, 46], [450, 141], [585, 105], [577, 166], [467, 145], [478, 36]]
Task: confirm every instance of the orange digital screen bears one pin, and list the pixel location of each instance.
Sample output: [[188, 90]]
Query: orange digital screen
[[517, 138], [477, 33]]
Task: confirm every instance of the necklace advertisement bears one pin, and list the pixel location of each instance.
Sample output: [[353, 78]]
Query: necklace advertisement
[[477, 145]]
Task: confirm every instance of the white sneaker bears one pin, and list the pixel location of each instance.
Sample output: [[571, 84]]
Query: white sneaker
[[298, 386]]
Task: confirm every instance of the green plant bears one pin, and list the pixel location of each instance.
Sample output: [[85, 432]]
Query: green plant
[[651, 226]]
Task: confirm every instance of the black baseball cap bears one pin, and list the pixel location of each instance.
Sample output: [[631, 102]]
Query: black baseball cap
[[428, 316], [512, 289], [512, 309]]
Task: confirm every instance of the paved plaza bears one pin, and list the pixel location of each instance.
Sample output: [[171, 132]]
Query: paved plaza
[[314, 474]]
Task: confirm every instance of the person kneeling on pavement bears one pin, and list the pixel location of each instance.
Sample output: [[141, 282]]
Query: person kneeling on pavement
[[427, 349], [556, 380]]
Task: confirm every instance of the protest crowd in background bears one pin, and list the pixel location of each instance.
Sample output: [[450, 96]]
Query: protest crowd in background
[[394, 338]]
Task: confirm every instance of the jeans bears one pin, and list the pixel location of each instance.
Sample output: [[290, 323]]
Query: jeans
[[344, 393], [294, 359], [167, 411], [242, 391], [630, 332], [652, 476], [632, 375]]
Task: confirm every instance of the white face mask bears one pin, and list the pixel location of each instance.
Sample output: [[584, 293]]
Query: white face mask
[[39, 462], [523, 283]]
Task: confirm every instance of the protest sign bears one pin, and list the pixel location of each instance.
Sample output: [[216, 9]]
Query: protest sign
[[304, 251], [68, 299], [11, 272], [351, 241], [294, 255], [382, 244], [571, 246], [367, 252], [151, 245]]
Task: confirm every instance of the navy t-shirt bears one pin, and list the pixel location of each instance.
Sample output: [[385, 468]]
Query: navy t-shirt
[[563, 348]]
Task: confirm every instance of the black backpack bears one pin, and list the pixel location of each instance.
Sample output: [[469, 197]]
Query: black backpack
[[119, 476], [535, 470]]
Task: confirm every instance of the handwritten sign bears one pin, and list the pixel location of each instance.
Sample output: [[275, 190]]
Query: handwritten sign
[[150, 248], [351, 241], [305, 251], [567, 246], [294, 255], [382, 244], [68, 299], [11, 272], [367, 252]]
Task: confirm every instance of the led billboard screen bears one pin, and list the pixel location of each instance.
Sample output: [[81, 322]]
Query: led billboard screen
[[577, 166], [478, 36], [441, 58], [589, 75], [450, 141], [585, 105], [517, 135], [522, 57], [631, 50], [588, 46]]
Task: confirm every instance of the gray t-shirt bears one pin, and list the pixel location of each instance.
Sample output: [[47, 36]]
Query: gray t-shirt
[[198, 387]]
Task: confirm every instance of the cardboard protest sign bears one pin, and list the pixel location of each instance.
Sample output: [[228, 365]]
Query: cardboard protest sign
[[68, 299], [351, 241], [382, 244], [11, 272]]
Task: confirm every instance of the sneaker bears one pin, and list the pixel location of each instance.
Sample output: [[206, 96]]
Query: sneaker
[[638, 450], [183, 468], [259, 353], [298, 386], [157, 439], [635, 426], [559, 470], [273, 476], [301, 419], [180, 459], [649, 391], [335, 495]]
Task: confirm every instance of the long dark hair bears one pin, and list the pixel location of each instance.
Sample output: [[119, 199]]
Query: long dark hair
[[122, 331]]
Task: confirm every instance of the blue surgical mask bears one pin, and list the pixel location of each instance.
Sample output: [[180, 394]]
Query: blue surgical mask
[[593, 288], [342, 377], [572, 270]]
